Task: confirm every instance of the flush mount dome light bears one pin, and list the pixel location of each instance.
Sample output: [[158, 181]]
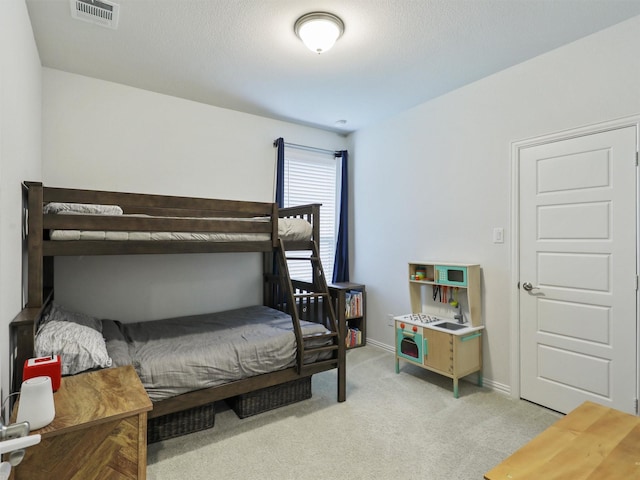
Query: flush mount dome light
[[319, 30]]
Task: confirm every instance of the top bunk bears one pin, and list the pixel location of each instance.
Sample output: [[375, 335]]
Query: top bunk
[[64, 221]]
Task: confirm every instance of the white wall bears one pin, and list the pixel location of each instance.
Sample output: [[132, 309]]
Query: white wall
[[101, 135], [433, 182], [20, 130]]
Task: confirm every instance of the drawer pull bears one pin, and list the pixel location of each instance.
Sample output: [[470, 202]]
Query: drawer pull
[[471, 337]]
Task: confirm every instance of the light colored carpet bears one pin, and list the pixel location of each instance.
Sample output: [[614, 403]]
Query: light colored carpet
[[392, 426]]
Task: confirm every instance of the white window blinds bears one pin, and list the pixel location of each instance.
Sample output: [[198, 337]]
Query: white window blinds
[[312, 176]]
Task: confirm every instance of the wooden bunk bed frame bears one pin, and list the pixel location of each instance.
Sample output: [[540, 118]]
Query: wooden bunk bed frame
[[179, 214]]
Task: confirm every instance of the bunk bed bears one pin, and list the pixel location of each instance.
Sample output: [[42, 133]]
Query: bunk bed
[[159, 224]]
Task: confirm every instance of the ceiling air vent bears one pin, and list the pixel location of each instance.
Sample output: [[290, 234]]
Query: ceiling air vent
[[100, 12]]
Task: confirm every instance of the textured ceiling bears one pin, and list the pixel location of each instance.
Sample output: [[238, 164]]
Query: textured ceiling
[[243, 54]]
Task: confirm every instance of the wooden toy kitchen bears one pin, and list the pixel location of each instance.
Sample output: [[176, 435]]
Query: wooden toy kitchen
[[443, 332]]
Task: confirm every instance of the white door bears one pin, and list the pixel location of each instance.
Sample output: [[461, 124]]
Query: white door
[[578, 253]]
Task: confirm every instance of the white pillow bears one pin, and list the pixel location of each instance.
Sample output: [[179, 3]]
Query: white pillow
[[80, 347], [82, 208]]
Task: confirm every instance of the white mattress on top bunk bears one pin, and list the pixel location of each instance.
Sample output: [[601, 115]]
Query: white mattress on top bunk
[[289, 229]]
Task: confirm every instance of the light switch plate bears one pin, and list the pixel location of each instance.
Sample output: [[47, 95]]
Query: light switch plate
[[498, 235]]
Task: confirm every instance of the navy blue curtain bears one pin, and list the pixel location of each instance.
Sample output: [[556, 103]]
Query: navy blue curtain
[[341, 261], [279, 144]]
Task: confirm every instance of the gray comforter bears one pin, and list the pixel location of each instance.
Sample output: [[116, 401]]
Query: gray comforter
[[178, 355]]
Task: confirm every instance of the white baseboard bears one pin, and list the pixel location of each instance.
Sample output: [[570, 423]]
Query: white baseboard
[[381, 345], [496, 386], [486, 382]]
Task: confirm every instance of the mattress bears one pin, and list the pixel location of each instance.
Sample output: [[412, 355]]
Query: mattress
[[178, 355], [289, 229]]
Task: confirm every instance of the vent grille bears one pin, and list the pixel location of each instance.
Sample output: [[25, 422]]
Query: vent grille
[[99, 12]]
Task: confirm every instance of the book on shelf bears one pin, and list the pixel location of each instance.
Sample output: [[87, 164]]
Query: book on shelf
[[353, 337], [353, 304]]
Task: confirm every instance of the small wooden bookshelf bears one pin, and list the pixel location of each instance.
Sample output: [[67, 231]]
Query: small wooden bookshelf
[[349, 301]]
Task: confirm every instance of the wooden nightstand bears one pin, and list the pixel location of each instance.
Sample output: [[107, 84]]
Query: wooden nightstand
[[99, 431]]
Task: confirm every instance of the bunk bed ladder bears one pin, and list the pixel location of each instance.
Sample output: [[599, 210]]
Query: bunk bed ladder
[[312, 299]]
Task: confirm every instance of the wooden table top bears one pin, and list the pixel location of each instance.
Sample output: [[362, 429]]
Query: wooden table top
[[95, 397], [592, 442]]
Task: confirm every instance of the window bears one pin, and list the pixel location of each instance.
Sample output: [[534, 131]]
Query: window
[[312, 176]]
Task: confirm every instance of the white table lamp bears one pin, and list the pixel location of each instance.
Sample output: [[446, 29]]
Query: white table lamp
[[36, 402]]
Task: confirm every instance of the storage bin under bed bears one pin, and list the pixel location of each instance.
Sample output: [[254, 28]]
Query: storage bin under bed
[[265, 399], [180, 423]]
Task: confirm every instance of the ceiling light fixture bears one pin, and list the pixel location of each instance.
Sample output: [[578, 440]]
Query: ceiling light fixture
[[319, 30]]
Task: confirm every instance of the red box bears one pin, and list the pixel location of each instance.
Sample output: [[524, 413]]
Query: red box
[[44, 367]]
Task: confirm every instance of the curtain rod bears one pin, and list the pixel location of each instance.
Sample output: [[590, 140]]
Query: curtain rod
[[311, 149]]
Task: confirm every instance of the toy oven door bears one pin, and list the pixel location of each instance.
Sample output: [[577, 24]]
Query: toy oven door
[[409, 345]]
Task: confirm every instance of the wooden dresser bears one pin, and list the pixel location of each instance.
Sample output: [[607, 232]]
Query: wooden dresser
[[99, 431]]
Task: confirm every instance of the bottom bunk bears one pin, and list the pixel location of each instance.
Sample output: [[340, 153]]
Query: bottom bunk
[[178, 355], [249, 356]]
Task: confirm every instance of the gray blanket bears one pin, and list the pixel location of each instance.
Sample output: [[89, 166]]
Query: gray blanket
[[178, 355]]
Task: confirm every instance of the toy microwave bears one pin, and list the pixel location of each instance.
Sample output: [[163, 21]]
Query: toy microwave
[[44, 367], [451, 275]]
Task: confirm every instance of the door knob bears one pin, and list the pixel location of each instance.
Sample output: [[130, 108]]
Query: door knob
[[528, 287]]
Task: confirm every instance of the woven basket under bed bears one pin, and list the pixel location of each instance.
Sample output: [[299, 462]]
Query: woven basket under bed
[[180, 423], [269, 398]]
